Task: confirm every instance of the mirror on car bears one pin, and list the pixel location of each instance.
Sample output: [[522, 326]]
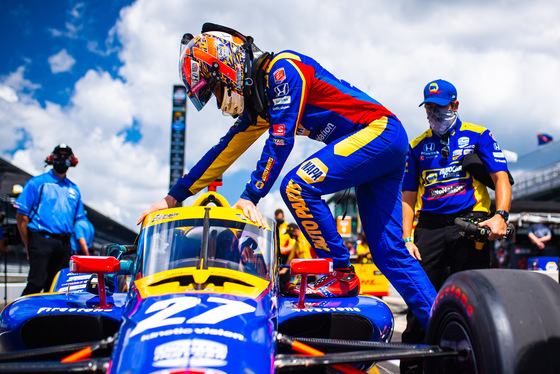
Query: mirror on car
[[94, 264], [311, 266]]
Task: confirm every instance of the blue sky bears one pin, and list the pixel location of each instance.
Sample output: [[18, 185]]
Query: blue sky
[[98, 75], [53, 39]]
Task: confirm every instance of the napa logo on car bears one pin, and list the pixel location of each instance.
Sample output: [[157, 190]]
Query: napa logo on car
[[197, 352], [312, 171]]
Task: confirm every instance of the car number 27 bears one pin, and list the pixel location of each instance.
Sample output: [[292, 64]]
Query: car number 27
[[165, 310]]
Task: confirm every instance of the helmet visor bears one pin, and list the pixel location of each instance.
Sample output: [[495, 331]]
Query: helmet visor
[[199, 87]]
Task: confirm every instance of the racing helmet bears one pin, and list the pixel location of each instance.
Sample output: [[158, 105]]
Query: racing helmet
[[222, 58], [209, 59]]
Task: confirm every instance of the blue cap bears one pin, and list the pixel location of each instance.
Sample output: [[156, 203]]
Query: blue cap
[[439, 92]]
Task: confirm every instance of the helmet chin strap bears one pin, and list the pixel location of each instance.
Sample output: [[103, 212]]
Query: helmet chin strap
[[232, 103]]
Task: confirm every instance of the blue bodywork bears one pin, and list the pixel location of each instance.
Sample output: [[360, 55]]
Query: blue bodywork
[[179, 316]]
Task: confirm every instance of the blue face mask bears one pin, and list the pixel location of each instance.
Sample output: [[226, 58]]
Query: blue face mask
[[441, 119]]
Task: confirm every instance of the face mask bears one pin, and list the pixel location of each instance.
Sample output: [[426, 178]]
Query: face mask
[[441, 119], [61, 166], [232, 103]]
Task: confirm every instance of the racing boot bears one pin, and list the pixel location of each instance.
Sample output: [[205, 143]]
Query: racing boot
[[342, 282]]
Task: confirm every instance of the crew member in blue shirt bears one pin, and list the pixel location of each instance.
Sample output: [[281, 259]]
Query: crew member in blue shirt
[[436, 190], [82, 237], [46, 210]]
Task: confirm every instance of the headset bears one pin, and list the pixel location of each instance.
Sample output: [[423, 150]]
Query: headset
[[455, 105], [73, 159]]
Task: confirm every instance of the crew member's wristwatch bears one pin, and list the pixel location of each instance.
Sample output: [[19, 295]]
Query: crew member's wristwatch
[[504, 214]]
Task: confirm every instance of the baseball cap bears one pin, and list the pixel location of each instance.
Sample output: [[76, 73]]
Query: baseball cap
[[61, 148], [292, 227], [439, 92]]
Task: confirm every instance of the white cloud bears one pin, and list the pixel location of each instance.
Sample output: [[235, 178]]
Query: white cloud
[[9, 94], [22, 87], [61, 62], [501, 56], [100, 101], [73, 24]]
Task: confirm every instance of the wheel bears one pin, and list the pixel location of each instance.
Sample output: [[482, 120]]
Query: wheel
[[500, 321]]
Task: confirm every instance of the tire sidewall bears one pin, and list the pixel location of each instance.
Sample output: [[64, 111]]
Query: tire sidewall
[[511, 319], [467, 300]]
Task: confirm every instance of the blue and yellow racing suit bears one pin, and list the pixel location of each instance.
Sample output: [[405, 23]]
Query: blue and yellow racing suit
[[366, 148], [442, 184]]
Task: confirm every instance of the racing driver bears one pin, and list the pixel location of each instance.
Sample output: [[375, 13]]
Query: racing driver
[[289, 94]]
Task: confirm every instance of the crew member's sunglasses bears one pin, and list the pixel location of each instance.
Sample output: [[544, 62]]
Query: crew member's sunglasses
[[445, 142]]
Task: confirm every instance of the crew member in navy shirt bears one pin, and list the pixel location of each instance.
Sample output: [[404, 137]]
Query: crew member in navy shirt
[[46, 210], [437, 189]]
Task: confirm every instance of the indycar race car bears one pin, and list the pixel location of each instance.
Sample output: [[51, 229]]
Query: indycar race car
[[199, 293]]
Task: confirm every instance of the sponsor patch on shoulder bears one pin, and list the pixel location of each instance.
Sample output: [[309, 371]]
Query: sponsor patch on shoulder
[[499, 154], [282, 100], [463, 141], [279, 75], [281, 90], [278, 130]]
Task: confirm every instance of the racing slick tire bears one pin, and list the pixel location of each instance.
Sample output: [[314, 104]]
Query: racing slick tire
[[500, 320]]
